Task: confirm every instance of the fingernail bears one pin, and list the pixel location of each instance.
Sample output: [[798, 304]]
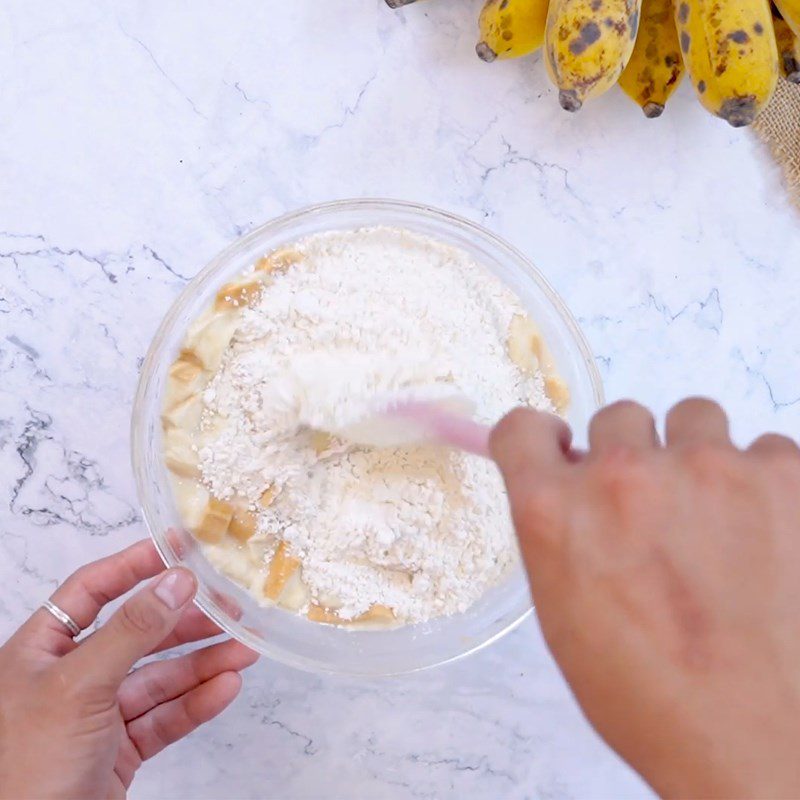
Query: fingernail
[[176, 588]]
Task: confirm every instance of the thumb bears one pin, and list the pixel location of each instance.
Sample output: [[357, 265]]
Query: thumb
[[136, 628]]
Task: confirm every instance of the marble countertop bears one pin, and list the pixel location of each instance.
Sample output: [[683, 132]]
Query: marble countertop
[[139, 138]]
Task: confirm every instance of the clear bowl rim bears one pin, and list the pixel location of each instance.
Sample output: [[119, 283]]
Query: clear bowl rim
[[150, 363]]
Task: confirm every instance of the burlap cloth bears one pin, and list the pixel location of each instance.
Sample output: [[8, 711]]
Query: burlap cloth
[[778, 126]]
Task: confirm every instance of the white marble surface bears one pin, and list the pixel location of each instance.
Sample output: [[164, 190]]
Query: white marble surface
[[138, 138]]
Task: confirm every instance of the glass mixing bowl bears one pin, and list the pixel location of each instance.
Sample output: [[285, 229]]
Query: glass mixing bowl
[[277, 633]]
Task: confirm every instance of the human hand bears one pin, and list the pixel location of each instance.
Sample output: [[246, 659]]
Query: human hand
[[74, 722], [667, 584]]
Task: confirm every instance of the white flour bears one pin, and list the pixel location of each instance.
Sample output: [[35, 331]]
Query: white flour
[[424, 531]]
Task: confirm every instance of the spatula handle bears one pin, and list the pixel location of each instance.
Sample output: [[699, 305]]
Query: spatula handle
[[462, 433], [446, 426]]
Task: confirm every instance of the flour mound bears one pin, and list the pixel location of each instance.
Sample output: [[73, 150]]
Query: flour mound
[[423, 530]]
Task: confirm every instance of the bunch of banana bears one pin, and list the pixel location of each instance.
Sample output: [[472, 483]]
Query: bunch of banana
[[588, 44], [655, 68], [511, 28], [730, 53], [732, 50], [789, 10], [788, 48]]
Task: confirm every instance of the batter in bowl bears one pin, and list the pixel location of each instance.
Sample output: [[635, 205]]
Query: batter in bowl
[[340, 533]]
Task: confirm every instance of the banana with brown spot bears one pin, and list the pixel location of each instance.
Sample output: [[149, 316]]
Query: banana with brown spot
[[511, 28], [587, 45], [655, 68], [790, 11], [730, 53], [788, 49]]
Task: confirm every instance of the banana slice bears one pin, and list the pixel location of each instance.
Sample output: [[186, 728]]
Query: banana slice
[[238, 295], [377, 613], [215, 521], [317, 613], [320, 441], [295, 594], [185, 414], [279, 261], [268, 496], [191, 499], [526, 349], [282, 567], [557, 391], [243, 524], [208, 338], [185, 378], [234, 562], [179, 454], [524, 344]]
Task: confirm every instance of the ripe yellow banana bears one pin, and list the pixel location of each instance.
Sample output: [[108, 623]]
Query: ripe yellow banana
[[790, 11], [730, 53], [511, 28], [587, 45], [788, 49], [655, 68]]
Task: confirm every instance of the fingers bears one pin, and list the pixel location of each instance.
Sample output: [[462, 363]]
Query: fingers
[[169, 722], [86, 591], [697, 420], [531, 448], [162, 681], [527, 442], [622, 424], [141, 623], [774, 444], [193, 626]]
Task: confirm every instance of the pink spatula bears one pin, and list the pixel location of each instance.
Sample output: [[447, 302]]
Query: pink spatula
[[401, 420]]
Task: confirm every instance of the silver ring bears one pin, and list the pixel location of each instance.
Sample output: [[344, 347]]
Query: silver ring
[[62, 616]]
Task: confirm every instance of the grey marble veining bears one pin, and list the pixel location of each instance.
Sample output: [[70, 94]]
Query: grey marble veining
[[140, 138]]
